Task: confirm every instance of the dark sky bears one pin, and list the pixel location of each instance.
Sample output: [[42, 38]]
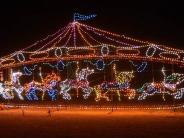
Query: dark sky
[[23, 23]]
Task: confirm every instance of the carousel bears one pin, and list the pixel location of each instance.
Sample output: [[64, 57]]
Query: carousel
[[90, 64]]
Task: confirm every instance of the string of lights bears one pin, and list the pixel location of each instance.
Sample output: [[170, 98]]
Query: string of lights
[[140, 67], [79, 43], [79, 17], [129, 48]]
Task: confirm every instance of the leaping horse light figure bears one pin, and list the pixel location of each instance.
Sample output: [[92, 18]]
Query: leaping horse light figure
[[167, 86], [121, 84], [48, 85], [81, 82], [31, 89], [9, 87], [4, 92]]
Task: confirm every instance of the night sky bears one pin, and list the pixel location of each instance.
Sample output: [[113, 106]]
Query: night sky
[[23, 23]]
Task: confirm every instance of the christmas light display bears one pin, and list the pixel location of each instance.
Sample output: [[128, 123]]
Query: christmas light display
[[90, 38], [72, 58], [31, 89], [168, 86], [99, 94], [50, 83], [4, 92], [121, 84], [80, 82], [10, 87]]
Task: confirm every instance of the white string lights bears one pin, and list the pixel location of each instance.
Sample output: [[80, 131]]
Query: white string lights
[[78, 42], [58, 52], [20, 57], [151, 51], [104, 50], [125, 47]]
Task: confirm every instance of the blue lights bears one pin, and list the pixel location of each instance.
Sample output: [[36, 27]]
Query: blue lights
[[140, 67], [29, 71], [100, 65], [114, 85], [60, 66], [52, 93], [31, 94], [80, 17]]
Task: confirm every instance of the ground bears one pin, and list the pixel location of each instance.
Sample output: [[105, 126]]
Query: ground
[[31, 123]]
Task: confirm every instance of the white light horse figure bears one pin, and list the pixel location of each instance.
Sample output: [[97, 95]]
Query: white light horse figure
[[8, 88], [167, 86], [80, 82], [4, 93], [16, 84]]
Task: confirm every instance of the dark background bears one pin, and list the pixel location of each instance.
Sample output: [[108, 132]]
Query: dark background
[[24, 22]]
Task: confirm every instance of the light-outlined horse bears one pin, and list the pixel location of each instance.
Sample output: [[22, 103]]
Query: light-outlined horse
[[167, 86], [120, 85], [5, 93], [9, 87], [49, 85], [31, 90], [81, 82], [17, 87]]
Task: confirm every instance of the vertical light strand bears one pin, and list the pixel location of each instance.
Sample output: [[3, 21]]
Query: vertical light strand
[[41, 76], [1, 76], [10, 74], [74, 33], [164, 74], [77, 74], [114, 70], [115, 75]]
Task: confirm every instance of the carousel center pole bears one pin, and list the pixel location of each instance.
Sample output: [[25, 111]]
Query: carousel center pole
[[76, 73]]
